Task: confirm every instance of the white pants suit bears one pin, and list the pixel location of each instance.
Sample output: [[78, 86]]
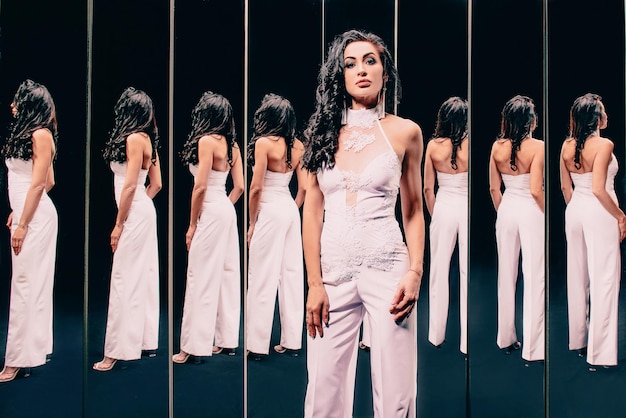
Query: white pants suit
[[449, 221], [133, 315], [520, 224], [29, 336], [275, 263], [211, 310], [593, 273]]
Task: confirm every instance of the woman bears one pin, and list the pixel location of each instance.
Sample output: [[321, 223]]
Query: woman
[[211, 308], [517, 161], [29, 152], [133, 317], [358, 157], [275, 261], [594, 227], [447, 161]]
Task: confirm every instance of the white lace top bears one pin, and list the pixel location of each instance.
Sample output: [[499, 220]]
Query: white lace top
[[360, 229]]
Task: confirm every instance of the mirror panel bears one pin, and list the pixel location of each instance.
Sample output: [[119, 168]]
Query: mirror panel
[[130, 48], [42, 42], [573, 388], [507, 60], [209, 51]]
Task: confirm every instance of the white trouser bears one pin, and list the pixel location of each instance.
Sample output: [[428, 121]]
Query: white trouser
[[331, 360], [275, 262], [449, 220], [593, 275], [211, 311], [520, 223]]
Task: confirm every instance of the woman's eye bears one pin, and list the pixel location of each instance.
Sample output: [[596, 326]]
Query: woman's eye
[[349, 64], [370, 61]]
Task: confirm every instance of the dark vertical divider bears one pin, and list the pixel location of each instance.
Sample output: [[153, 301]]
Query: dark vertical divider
[[432, 62], [130, 48], [43, 42], [209, 55], [586, 55], [507, 59]]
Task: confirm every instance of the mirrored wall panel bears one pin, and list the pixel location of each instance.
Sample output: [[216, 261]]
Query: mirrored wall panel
[[209, 159], [284, 58], [42, 124], [507, 223], [586, 111], [127, 315], [432, 61]]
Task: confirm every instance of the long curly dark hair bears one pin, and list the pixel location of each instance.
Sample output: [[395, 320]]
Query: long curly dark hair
[[518, 117], [35, 110], [452, 123], [134, 113], [584, 117], [275, 117], [212, 115], [322, 131]]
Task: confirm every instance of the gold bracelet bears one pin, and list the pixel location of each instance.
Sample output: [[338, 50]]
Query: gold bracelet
[[414, 271]]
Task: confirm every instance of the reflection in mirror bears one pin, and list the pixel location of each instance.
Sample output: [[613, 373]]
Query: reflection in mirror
[[34, 34], [208, 381], [505, 295], [586, 310], [285, 64], [130, 48], [425, 86]]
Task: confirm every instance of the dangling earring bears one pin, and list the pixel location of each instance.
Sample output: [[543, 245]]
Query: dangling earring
[[380, 106], [344, 113]]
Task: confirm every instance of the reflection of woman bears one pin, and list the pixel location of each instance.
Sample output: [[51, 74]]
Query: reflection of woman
[[446, 161], [212, 309], [594, 226], [29, 151], [133, 317], [357, 263], [517, 160], [274, 234]]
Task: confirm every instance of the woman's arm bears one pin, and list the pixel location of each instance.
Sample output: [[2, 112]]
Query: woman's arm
[[261, 149], [50, 182], [205, 164], [429, 180], [495, 181], [236, 172], [566, 178], [413, 219], [301, 177], [317, 304], [154, 178], [134, 159], [598, 181], [536, 176], [43, 150]]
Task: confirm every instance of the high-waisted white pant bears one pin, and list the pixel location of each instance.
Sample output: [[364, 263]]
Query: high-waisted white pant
[[275, 262], [520, 223], [331, 360], [593, 275], [449, 220]]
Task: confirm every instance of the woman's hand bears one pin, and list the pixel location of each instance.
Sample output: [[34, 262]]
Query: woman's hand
[[191, 231], [622, 228], [10, 220], [250, 232], [316, 310], [115, 236], [17, 240], [406, 295]]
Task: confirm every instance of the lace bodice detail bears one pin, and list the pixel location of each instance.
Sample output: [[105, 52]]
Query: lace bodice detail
[[360, 192]]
